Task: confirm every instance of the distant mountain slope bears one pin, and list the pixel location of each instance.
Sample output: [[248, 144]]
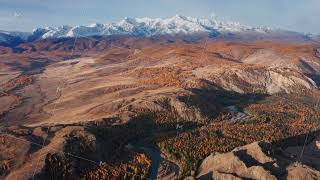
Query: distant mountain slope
[[148, 27], [13, 38]]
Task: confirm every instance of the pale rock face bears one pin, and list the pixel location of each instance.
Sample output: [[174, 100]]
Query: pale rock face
[[231, 164], [299, 172], [182, 109], [317, 143], [270, 81], [265, 57], [255, 161], [318, 52]]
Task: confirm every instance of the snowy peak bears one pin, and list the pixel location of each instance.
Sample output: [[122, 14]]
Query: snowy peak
[[147, 27]]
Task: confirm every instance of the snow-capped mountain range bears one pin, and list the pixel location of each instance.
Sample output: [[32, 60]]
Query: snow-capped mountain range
[[139, 27], [148, 27]]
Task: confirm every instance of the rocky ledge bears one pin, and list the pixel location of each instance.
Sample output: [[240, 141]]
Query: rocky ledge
[[261, 160]]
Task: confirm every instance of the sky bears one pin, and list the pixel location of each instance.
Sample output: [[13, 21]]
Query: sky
[[25, 15]]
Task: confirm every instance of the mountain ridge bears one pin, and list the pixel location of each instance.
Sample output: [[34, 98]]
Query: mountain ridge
[[149, 27]]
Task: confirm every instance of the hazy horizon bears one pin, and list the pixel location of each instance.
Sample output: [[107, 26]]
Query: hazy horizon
[[294, 15]]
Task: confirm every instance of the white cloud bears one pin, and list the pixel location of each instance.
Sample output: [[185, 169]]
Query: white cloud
[[17, 15]]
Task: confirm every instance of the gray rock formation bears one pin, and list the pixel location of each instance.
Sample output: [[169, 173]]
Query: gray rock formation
[[318, 52], [259, 160], [269, 80]]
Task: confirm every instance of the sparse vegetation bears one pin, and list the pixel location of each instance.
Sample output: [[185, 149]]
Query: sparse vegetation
[[172, 97], [288, 117], [57, 167], [135, 168]]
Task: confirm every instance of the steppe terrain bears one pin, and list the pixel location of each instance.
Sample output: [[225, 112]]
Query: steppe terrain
[[125, 107]]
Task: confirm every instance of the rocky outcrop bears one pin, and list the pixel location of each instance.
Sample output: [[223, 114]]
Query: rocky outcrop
[[265, 80], [260, 160], [246, 162], [318, 52]]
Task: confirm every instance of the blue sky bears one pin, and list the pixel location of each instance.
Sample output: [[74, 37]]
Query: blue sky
[[25, 15]]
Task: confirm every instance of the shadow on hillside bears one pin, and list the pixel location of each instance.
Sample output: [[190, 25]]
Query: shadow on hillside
[[284, 160], [104, 142], [30, 66], [109, 144], [140, 130], [298, 140], [213, 100], [315, 78], [281, 159]]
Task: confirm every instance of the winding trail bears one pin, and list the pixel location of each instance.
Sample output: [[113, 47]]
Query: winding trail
[[156, 162]]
